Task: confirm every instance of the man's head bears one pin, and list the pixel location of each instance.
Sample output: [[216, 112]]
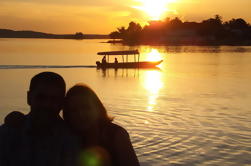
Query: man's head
[[46, 95]]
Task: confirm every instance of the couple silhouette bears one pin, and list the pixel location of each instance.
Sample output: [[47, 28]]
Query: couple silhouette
[[85, 136]]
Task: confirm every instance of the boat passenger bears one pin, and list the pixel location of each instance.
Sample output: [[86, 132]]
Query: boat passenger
[[116, 60], [104, 60]]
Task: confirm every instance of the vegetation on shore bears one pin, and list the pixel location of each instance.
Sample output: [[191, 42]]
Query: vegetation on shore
[[212, 31]]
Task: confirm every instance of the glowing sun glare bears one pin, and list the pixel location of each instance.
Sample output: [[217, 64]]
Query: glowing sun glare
[[154, 55], [155, 9]]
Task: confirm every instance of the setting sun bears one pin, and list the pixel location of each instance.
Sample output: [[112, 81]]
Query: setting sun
[[155, 9]]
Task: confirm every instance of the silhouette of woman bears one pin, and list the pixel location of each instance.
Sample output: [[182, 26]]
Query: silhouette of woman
[[101, 140]]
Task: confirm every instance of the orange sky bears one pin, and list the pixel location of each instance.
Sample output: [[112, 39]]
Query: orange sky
[[104, 16]]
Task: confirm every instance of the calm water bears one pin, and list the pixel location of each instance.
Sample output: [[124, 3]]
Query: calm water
[[195, 110]]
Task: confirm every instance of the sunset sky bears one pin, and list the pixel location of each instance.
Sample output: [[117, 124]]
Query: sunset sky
[[104, 16]]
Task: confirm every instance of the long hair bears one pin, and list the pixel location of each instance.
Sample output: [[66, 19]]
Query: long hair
[[85, 91]]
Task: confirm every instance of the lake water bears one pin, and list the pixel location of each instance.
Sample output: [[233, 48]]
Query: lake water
[[195, 110]]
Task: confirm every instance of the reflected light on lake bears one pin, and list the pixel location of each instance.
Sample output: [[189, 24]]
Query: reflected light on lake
[[195, 111], [153, 55], [152, 83]]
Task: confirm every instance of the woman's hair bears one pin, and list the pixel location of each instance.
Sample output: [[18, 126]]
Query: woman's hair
[[85, 91]]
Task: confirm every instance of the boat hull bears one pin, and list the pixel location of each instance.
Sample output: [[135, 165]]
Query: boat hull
[[129, 64]]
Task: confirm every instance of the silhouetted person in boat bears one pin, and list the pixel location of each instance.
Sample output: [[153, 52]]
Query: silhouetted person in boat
[[86, 115], [104, 60], [41, 137], [116, 61]]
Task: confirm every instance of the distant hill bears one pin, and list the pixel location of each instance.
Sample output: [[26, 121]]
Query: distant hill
[[7, 33]]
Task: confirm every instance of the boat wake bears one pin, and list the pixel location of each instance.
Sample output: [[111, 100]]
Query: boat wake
[[43, 66]]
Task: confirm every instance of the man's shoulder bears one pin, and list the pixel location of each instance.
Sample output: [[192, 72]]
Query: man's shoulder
[[60, 127], [7, 133], [3, 129], [14, 120], [67, 137], [63, 131]]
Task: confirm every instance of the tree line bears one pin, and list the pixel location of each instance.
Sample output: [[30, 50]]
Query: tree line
[[212, 31]]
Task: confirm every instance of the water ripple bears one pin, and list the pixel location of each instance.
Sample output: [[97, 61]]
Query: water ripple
[[185, 137]]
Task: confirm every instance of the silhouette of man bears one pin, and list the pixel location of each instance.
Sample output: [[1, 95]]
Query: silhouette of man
[[42, 138], [116, 60], [104, 60]]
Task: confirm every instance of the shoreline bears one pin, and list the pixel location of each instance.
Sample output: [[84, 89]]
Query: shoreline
[[7, 33], [15, 37], [211, 43]]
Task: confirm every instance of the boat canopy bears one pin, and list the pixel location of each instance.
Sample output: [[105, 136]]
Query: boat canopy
[[122, 53], [130, 52]]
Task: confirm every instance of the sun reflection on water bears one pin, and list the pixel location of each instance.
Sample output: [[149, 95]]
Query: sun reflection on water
[[153, 55], [152, 83]]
